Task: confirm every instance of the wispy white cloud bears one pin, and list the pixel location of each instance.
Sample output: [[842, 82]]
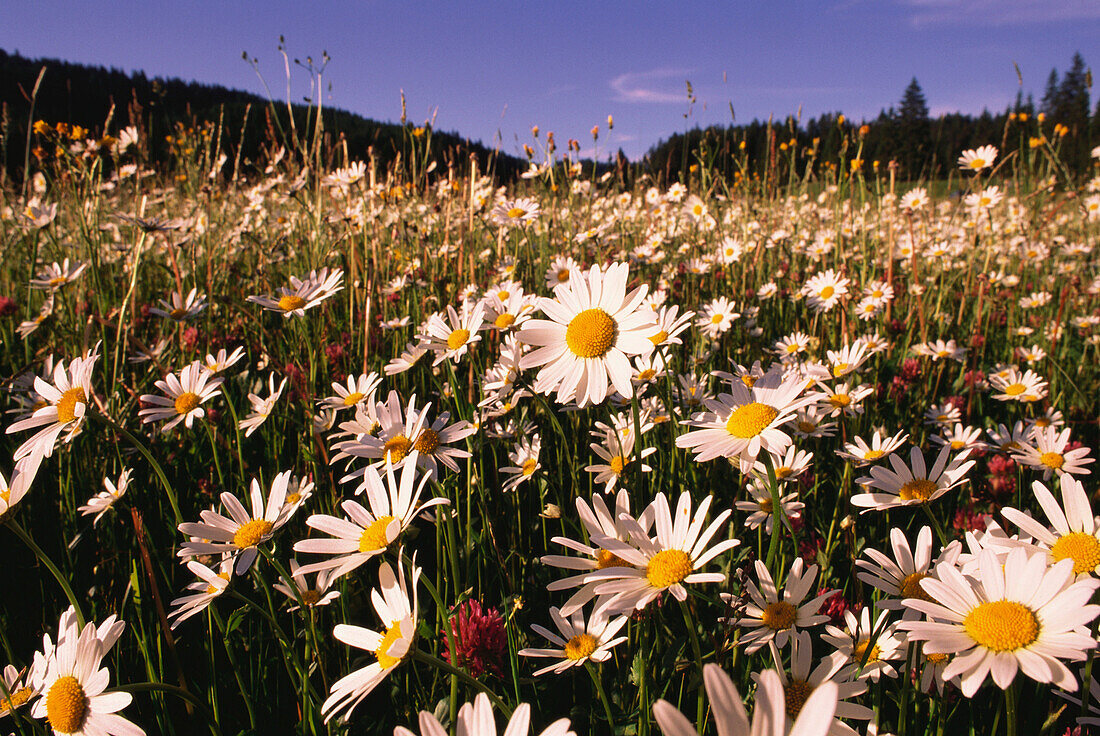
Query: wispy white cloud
[[655, 86], [998, 12]]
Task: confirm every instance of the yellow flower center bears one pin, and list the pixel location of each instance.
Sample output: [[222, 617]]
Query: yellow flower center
[[918, 489], [57, 281], [504, 321], [647, 374], [516, 212], [860, 651], [393, 633], [1002, 626], [957, 444], [373, 537], [716, 319], [840, 369], [292, 498], [765, 505], [804, 426], [784, 472], [66, 705], [659, 338], [310, 597], [250, 534], [457, 339], [750, 420], [581, 646], [397, 448], [748, 380], [17, 699], [618, 463], [1082, 548], [1015, 389], [591, 334], [187, 402], [353, 398], [873, 454], [427, 443], [827, 292], [911, 587], [779, 615], [1042, 422], [668, 567], [529, 466], [211, 590], [936, 658], [563, 275], [66, 405], [795, 695], [178, 313], [609, 559], [1053, 460], [977, 163], [290, 302], [840, 401], [793, 348]]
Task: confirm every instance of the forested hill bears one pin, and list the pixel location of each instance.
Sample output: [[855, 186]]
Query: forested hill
[[84, 95], [922, 146]]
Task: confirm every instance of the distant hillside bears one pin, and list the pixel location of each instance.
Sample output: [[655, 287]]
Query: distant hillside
[[84, 95]]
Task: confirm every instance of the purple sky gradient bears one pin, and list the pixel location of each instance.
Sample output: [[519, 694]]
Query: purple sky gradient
[[491, 70]]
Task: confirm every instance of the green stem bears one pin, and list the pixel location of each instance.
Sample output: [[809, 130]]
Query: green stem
[[598, 682], [1010, 709], [140, 447], [179, 692], [689, 622], [422, 656], [935, 524], [61, 580]]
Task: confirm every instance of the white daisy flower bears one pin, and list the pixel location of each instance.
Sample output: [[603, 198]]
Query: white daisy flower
[[579, 641], [185, 397]]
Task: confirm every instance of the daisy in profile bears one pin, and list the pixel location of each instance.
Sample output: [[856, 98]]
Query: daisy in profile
[[184, 397], [1048, 451], [579, 641], [72, 685], [57, 275], [1019, 615], [261, 407], [359, 388], [64, 403], [525, 462], [1007, 440], [909, 485], [201, 593], [241, 533], [825, 290], [1012, 385], [861, 453], [398, 613], [302, 294], [868, 650], [223, 361], [669, 325], [975, 160], [767, 617], [898, 577], [13, 491], [181, 309], [791, 346], [961, 437], [598, 521], [771, 715], [516, 212], [365, 533], [742, 423], [101, 503], [846, 360], [617, 456], [476, 719], [761, 509], [1074, 532], [666, 563], [451, 337], [298, 587], [19, 690], [594, 329]]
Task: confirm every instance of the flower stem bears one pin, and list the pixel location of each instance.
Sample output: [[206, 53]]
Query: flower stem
[[61, 580], [140, 447], [422, 656], [598, 682]]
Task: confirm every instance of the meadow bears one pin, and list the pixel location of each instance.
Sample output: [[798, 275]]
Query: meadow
[[296, 448]]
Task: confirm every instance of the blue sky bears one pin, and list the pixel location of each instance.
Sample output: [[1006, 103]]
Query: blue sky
[[491, 70]]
